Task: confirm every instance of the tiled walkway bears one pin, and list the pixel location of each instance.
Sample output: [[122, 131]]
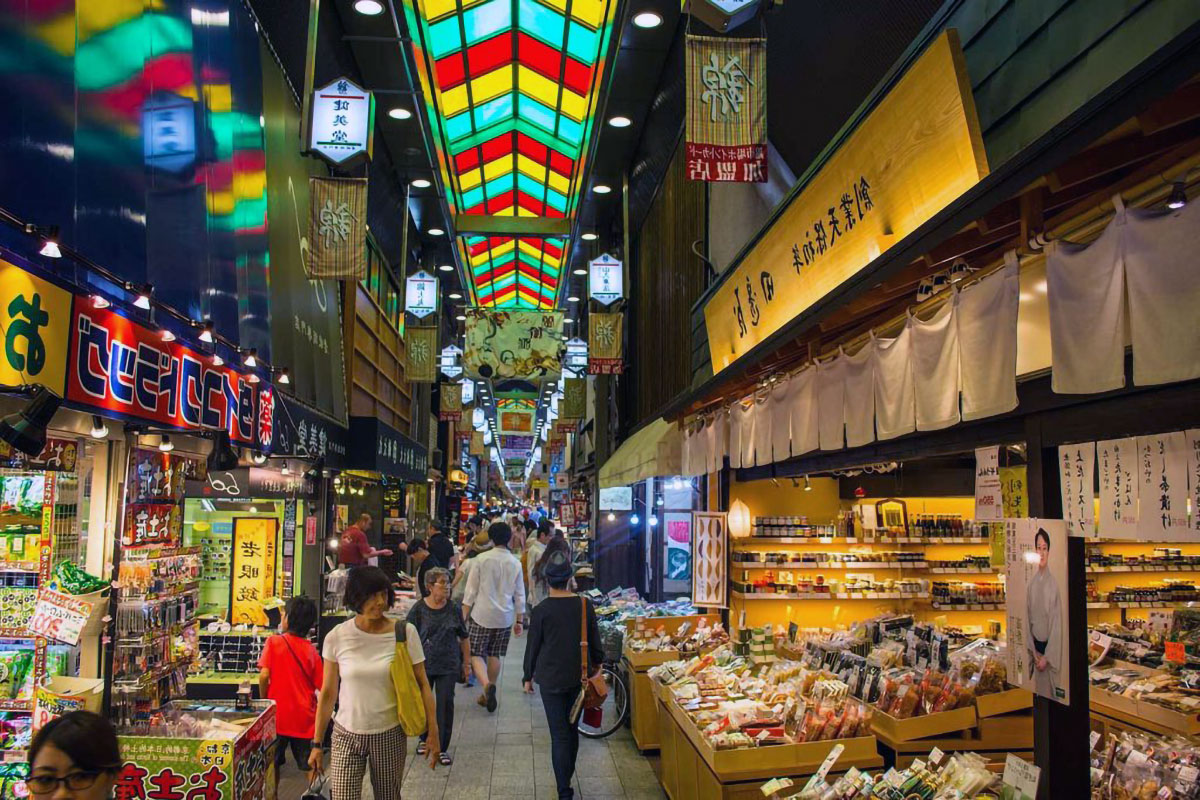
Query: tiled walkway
[[507, 755]]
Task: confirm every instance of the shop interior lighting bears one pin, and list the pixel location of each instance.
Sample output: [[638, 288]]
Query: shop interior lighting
[[455, 296], [142, 300], [601, 188], [589, 236], [250, 359], [612, 517], [168, 335], [399, 113], [807, 484], [165, 444], [653, 520], [206, 331], [259, 458], [620, 122], [1177, 200], [635, 519], [99, 429], [573, 299], [99, 301], [217, 361], [253, 377], [647, 19], [421, 183], [579, 271], [368, 8], [285, 470], [50, 247]]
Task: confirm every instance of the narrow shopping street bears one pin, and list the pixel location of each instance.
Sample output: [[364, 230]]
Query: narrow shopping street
[[507, 755]]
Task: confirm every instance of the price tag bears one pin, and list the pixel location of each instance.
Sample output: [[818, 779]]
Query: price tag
[[1022, 776], [1189, 774], [936, 756], [1175, 652], [59, 616]]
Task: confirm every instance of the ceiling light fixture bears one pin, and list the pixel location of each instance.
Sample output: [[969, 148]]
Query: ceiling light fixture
[[573, 299], [25, 430], [807, 484], [168, 335], [99, 429], [435, 231], [217, 361], [399, 113], [461, 317], [142, 300], [283, 378], [100, 302], [446, 268], [50, 248], [620, 122], [601, 188], [250, 359], [421, 183], [647, 19], [579, 271], [368, 7], [589, 237], [206, 331], [1178, 197], [455, 296]]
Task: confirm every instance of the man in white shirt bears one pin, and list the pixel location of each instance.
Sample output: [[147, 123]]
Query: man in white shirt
[[494, 606]]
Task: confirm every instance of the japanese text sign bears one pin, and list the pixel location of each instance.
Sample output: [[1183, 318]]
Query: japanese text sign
[[35, 321], [1076, 466], [342, 121], [989, 499], [421, 294], [873, 191], [337, 228], [1118, 477], [605, 345], [253, 570], [59, 616], [1163, 491], [726, 138], [606, 280]]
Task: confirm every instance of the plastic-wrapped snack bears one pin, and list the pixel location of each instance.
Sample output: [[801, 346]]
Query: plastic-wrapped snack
[[73, 580]]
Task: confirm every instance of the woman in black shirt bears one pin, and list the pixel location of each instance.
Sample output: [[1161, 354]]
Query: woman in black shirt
[[552, 658], [439, 621]]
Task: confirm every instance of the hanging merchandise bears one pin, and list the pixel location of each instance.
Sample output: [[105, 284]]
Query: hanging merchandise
[[337, 230], [605, 345], [422, 345], [726, 109]]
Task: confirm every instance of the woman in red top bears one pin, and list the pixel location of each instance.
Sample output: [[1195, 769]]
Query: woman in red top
[[290, 673]]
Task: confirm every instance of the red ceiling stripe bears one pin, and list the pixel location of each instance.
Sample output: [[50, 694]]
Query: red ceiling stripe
[[538, 56], [496, 147], [577, 77], [531, 148], [561, 164], [466, 160], [499, 203], [449, 70], [531, 204], [490, 54]]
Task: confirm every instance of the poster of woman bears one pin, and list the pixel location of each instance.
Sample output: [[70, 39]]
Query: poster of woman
[[1037, 611]]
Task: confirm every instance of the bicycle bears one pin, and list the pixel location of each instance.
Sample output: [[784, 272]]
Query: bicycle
[[615, 710]]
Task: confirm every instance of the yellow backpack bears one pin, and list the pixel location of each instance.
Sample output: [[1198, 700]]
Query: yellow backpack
[[409, 705]]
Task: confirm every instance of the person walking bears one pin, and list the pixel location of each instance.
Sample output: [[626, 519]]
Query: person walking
[[494, 607], [353, 547], [422, 561], [367, 733], [440, 546], [290, 674], [553, 659], [444, 638], [535, 590], [480, 544]]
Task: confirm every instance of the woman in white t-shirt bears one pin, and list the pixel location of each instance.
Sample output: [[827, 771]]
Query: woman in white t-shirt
[[366, 731]]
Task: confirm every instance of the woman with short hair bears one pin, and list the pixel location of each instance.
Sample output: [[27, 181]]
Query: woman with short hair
[[439, 622], [358, 658]]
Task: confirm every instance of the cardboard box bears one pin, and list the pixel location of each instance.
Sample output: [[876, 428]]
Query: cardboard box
[[906, 730], [992, 705]]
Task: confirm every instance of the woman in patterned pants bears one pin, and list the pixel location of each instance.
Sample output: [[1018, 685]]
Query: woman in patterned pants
[[358, 658]]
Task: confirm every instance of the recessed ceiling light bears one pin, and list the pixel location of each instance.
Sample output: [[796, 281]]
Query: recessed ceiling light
[[461, 317], [579, 271], [455, 296], [572, 299], [399, 113], [421, 183], [445, 267], [435, 231], [568, 320], [589, 237], [601, 188], [620, 122], [373, 7], [647, 19]]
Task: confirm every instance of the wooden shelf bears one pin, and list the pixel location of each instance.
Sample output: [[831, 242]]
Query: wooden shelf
[[752, 542], [1176, 604], [968, 606], [1145, 568], [831, 565], [830, 596]]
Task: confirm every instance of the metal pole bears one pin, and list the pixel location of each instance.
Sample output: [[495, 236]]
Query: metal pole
[[310, 68]]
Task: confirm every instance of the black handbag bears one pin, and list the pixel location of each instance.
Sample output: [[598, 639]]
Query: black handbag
[[317, 790]]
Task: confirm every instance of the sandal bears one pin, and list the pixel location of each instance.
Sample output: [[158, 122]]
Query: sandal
[[445, 760], [420, 748]]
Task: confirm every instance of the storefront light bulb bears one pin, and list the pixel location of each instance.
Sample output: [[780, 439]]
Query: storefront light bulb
[[260, 458], [167, 335], [99, 429], [285, 470], [807, 484], [100, 302], [50, 249], [653, 520], [635, 519], [206, 331], [142, 300], [251, 358], [253, 509], [1178, 197], [658, 502], [333, 544], [217, 361], [284, 379], [165, 444], [612, 517]]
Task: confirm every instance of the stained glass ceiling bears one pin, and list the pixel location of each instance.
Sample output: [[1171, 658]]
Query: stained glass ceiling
[[512, 86]]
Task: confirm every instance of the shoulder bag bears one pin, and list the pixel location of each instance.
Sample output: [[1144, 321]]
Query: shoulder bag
[[409, 705], [595, 688]]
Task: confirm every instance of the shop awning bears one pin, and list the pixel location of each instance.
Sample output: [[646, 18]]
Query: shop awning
[[655, 449]]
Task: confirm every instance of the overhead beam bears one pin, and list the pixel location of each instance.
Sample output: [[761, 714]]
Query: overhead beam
[[485, 224]]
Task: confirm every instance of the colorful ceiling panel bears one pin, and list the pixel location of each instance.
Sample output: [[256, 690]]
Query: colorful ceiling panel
[[512, 88], [513, 271]]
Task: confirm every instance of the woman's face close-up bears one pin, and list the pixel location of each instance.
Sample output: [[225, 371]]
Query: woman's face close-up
[[376, 605], [55, 776]]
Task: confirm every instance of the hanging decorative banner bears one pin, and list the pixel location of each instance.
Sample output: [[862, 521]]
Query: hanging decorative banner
[[478, 448], [1193, 449], [606, 280], [710, 547], [513, 344], [605, 348], [468, 391], [989, 499], [726, 109], [448, 361], [512, 421], [574, 402], [421, 354], [1076, 464], [343, 121], [421, 294], [253, 569], [337, 229], [1163, 477], [1117, 459], [566, 425], [1014, 492], [450, 407]]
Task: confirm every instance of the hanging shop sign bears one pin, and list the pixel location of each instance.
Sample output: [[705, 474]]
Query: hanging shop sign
[[576, 360], [303, 433], [1035, 583], [478, 447], [252, 574], [36, 317], [726, 137], [989, 500], [516, 421], [59, 455], [1075, 468], [723, 15], [710, 548], [876, 189], [421, 294], [422, 357], [379, 447], [605, 348], [468, 391], [169, 132], [606, 280], [448, 363], [343, 121], [566, 425], [126, 370], [574, 403], [337, 229], [450, 403], [513, 344], [251, 482]]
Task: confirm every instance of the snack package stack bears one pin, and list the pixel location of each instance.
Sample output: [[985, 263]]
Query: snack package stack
[[1135, 765], [961, 776], [762, 645]]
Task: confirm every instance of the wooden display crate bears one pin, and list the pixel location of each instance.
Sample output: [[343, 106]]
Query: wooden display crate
[[670, 624], [1006, 732], [1006, 702], [643, 711], [642, 661], [923, 727]]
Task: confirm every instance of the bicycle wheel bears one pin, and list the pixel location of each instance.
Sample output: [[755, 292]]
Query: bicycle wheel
[[615, 708]]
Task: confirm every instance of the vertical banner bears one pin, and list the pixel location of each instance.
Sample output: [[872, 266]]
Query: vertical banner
[[1117, 460], [605, 347], [726, 109], [677, 554], [1076, 465], [1163, 487], [478, 448], [421, 350], [450, 408], [1014, 491], [337, 228], [710, 550], [574, 402], [989, 499], [1193, 449], [253, 569], [1036, 577]]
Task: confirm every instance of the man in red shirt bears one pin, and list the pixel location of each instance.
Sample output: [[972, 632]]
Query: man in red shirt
[[354, 549]]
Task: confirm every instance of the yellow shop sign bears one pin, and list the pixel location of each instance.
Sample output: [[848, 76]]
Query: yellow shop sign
[[35, 320]]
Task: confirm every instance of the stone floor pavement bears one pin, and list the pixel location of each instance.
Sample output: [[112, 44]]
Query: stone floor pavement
[[507, 755]]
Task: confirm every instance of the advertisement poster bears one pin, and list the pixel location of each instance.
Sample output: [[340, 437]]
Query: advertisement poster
[[1014, 491], [253, 570], [1163, 488], [59, 616], [710, 550], [1117, 462], [566, 514], [989, 499], [1036, 584], [677, 560], [1076, 466], [513, 344]]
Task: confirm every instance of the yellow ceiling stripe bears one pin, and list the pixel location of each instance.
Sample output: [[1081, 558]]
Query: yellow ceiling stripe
[[468, 180], [589, 12], [454, 101], [500, 166], [491, 84]]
